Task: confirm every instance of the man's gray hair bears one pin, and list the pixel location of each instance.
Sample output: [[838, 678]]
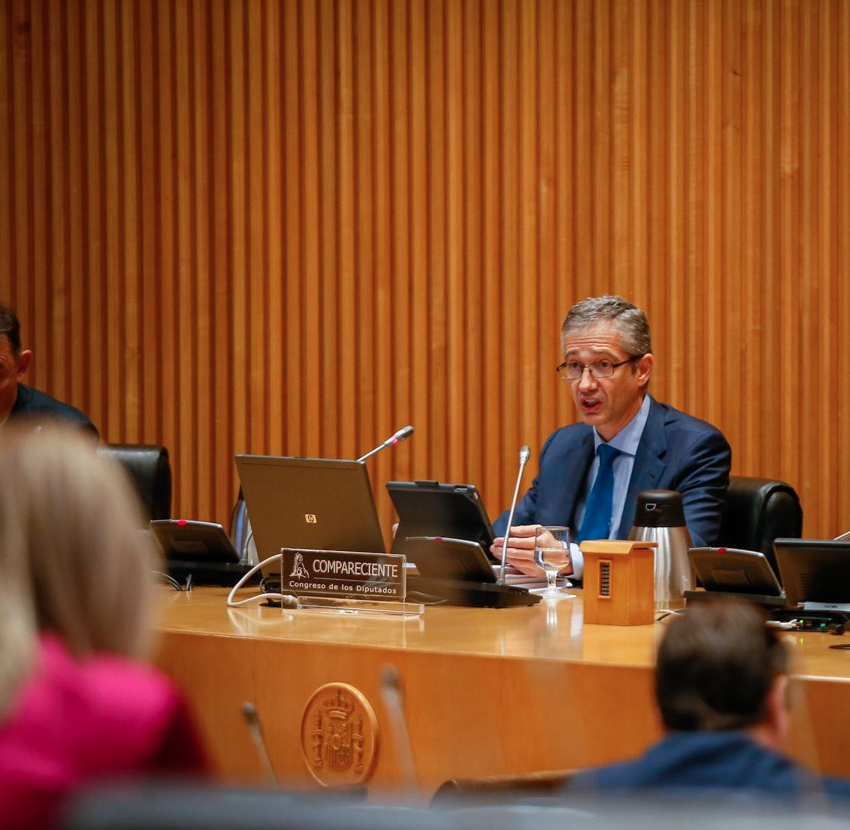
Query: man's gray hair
[[629, 320]]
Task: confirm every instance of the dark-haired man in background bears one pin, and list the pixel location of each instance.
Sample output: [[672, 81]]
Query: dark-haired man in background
[[19, 402], [721, 685]]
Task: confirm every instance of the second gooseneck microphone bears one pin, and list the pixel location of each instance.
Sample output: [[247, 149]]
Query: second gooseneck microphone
[[523, 460], [401, 435]]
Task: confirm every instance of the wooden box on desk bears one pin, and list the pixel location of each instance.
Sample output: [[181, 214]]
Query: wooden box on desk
[[619, 582]]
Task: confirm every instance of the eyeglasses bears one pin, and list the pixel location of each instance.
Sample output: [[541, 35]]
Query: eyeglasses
[[573, 370]]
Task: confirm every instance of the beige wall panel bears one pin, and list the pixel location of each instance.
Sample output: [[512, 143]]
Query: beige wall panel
[[292, 227]]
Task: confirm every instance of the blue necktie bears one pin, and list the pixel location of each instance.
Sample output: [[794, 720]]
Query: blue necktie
[[597, 512]]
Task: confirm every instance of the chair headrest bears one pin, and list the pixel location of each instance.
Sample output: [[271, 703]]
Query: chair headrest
[[149, 468]]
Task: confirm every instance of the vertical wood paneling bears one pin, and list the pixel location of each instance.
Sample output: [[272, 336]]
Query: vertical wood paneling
[[468, 137], [314, 332], [713, 340], [237, 160], [490, 401], [564, 73], [789, 283], [511, 387], [7, 250], [840, 362], [336, 355], [639, 267], [293, 227], [767, 209], [276, 318], [222, 403]]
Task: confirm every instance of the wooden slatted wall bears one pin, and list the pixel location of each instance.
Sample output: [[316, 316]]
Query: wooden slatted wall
[[292, 227]]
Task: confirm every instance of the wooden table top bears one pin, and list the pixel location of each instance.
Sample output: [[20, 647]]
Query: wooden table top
[[546, 632]]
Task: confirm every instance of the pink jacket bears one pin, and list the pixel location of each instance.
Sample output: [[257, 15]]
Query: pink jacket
[[74, 723]]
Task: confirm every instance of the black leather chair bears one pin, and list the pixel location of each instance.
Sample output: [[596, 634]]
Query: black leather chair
[[759, 510], [149, 469]]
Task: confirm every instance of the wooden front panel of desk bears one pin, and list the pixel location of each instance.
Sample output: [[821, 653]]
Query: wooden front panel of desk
[[487, 692], [466, 715]]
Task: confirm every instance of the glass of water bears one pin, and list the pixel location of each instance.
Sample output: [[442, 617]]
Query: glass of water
[[552, 553]]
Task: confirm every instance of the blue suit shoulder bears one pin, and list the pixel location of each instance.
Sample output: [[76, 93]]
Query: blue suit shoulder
[[716, 761], [675, 418], [34, 405]]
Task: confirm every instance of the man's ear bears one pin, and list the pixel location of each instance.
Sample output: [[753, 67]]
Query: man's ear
[[776, 710], [24, 362], [644, 369]]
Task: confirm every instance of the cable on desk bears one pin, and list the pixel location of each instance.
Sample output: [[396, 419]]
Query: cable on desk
[[286, 600], [170, 580]]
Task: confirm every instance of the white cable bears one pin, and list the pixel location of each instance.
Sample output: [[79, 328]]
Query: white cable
[[285, 599]]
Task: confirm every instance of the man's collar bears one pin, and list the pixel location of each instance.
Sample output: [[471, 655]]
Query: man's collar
[[628, 438]]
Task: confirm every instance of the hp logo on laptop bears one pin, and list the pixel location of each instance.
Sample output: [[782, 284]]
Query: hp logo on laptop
[[311, 519]]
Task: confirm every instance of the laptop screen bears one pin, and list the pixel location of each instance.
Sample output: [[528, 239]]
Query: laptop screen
[[310, 503], [814, 571], [428, 508], [733, 571]]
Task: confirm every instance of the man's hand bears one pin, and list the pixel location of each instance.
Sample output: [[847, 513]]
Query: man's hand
[[520, 553]]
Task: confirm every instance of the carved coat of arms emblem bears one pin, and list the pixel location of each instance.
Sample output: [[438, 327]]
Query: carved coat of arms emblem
[[339, 734]]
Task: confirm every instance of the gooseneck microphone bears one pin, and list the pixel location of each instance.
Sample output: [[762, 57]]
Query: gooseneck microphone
[[401, 435], [523, 460], [391, 691], [252, 721]]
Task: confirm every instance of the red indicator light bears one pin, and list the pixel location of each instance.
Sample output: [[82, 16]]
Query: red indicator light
[[181, 522]]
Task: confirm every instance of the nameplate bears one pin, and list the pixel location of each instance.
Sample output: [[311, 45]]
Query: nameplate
[[343, 574]]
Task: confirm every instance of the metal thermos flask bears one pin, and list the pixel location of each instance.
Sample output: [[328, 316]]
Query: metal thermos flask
[[660, 518]]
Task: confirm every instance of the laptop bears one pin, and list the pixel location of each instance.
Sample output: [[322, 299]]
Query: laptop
[[439, 557], [198, 551], [309, 503], [458, 572], [815, 573], [190, 541], [744, 573], [429, 508]]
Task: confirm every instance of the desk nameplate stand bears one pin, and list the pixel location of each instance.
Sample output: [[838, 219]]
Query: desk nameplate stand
[[619, 582], [346, 582]]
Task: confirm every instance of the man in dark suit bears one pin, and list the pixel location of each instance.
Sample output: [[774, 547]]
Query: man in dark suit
[[648, 445], [21, 403], [721, 685]]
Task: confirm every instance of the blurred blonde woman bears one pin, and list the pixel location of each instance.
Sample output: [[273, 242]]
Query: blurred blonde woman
[[77, 615]]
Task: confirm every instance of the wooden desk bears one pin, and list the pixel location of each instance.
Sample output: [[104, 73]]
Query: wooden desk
[[487, 691]]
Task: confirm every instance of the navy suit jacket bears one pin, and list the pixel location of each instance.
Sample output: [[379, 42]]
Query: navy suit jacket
[[696, 761], [33, 405], [676, 452]]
